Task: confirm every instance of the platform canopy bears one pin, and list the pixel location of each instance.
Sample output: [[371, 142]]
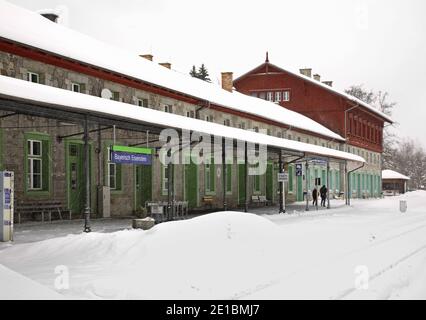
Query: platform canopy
[[393, 175], [55, 99]]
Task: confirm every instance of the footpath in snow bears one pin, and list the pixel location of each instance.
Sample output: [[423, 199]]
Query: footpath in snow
[[367, 251]]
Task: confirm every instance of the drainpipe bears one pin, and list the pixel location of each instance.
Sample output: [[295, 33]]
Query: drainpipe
[[349, 182]]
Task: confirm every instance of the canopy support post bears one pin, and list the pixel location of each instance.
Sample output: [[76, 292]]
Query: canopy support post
[[224, 174], [281, 184], [328, 183], [246, 177], [346, 183], [307, 185], [86, 167]]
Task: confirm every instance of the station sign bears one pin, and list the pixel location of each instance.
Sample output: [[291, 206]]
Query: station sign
[[319, 162], [299, 170], [282, 176], [131, 155]]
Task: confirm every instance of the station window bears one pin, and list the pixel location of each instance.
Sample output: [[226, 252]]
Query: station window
[[286, 95], [113, 173], [35, 164], [33, 77], [115, 96], [229, 178], [38, 159], [168, 108], [270, 96], [278, 97], [76, 87], [210, 176], [209, 118], [190, 114], [256, 181], [165, 179], [143, 103], [227, 122]]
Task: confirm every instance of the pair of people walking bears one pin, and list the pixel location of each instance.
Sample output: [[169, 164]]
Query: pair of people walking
[[323, 195]]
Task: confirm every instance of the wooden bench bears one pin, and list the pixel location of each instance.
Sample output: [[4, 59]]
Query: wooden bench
[[158, 210], [208, 200], [255, 200], [263, 200], [32, 208], [260, 200]]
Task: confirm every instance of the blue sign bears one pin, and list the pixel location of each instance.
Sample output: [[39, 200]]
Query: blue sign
[[7, 198], [299, 170], [130, 158]]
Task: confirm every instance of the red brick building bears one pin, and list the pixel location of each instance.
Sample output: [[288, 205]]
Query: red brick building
[[361, 124]]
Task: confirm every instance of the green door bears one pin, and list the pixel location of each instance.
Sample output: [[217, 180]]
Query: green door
[[241, 184], [299, 188], [191, 184], [359, 186], [143, 180], [269, 182], [76, 180]]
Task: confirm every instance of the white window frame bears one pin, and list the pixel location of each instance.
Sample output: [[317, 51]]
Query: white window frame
[[109, 175], [165, 179], [30, 74], [270, 96], [140, 102], [31, 159], [168, 108], [286, 95], [77, 85], [208, 168], [278, 96]]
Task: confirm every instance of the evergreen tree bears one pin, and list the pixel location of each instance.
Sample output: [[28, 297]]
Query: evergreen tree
[[193, 72], [203, 74]]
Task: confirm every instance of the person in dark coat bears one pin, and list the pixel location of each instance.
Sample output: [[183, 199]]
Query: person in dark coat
[[323, 193], [315, 197]]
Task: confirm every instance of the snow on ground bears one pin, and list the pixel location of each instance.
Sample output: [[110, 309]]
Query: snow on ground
[[17, 287], [233, 255]]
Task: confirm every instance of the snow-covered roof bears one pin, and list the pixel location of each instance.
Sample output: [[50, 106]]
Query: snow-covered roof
[[329, 88], [77, 102], [29, 28], [390, 174]]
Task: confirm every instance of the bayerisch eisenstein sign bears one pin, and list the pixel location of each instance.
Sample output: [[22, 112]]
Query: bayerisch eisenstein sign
[[131, 155]]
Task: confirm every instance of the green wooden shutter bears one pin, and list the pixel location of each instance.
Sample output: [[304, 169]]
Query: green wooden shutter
[[146, 183], [229, 177], [212, 175], [290, 178]]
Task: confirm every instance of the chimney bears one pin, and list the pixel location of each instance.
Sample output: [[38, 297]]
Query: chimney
[[328, 83], [51, 16], [227, 81], [167, 65], [306, 72], [317, 77], [147, 56]]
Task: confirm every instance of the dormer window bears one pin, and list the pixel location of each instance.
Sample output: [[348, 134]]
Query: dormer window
[[33, 77], [143, 103]]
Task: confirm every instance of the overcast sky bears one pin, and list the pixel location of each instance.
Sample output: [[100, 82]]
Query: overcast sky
[[378, 43]]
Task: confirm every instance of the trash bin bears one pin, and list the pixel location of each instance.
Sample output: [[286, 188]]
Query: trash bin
[[402, 206]]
